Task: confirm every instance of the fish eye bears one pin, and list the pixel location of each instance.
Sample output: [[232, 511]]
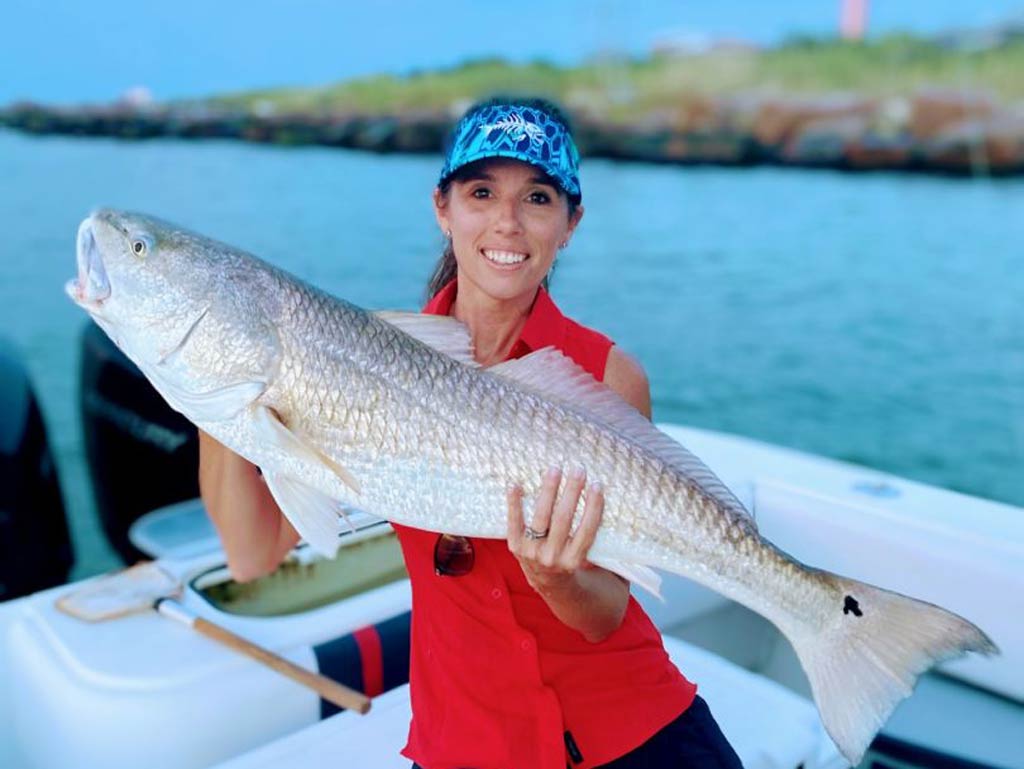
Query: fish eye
[[140, 247]]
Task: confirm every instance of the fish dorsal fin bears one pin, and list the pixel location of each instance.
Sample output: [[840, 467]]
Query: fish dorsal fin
[[441, 332], [557, 377]]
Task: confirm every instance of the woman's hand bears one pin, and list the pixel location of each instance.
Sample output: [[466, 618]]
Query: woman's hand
[[554, 559], [555, 556]]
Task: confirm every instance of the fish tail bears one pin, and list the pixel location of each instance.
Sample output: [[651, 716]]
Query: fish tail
[[867, 657]]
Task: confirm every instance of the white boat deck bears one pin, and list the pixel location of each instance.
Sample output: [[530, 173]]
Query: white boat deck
[[145, 692]]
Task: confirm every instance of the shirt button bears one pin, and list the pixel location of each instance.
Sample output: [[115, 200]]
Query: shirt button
[[525, 644], [496, 593]]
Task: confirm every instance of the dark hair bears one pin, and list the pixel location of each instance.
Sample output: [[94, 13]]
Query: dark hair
[[446, 266]]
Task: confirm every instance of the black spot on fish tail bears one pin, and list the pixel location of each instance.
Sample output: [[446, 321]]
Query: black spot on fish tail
[[850, 605]]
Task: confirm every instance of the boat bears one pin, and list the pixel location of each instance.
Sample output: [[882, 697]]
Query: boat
[[143, 691]]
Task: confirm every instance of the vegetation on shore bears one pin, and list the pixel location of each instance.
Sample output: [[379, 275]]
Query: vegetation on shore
[[620, 88], [895, 104]]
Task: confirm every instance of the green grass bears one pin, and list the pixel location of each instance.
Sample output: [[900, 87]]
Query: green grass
[[621, 88]]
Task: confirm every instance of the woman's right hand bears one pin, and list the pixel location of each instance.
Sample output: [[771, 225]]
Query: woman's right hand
[[255, 534]]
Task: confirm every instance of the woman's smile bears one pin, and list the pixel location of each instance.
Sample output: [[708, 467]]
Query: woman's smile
[[503, 259]]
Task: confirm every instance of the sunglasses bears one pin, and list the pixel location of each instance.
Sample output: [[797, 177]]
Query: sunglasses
[[453, 556]]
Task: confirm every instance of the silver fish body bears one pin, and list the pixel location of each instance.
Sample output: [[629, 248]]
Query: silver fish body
[[387, 412]]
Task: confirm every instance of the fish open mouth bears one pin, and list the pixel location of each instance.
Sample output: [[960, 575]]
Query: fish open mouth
[[91, 286]]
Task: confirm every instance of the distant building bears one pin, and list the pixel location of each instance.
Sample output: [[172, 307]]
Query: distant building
[[137, 96], [682, 43], [688, 43]]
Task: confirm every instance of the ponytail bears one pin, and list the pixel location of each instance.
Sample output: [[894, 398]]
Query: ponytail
[[444, 271]]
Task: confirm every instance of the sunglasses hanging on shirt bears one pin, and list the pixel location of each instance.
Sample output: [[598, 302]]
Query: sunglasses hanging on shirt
[[453, 555]]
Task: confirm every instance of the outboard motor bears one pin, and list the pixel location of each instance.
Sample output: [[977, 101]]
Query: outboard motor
[[141, 454], [35, 549]]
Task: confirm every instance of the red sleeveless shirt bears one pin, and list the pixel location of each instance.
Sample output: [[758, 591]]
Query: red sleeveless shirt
[[496, 680]]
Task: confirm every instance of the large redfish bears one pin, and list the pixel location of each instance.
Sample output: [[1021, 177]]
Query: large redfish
[[389, 413]]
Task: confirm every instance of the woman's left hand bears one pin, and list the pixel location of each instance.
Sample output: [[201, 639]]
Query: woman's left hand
[[548, 551]]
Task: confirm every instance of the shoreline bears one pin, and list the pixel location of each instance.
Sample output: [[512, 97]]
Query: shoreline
[[947, 133]]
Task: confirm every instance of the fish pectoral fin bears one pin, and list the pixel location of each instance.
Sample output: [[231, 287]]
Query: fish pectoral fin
[[313, 514], [636, 573], [555, 376], [274, 431], [216, 405], [441, 332]]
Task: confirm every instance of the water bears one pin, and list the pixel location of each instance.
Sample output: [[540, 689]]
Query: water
[[875, 319]]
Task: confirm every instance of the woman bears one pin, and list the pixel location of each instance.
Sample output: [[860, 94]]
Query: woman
[[523, 654]]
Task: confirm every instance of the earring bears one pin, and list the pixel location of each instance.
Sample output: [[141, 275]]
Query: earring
[[448, 234], [563, 244]]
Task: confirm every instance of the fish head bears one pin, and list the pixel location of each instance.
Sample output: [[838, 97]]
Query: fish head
[[138, 279], [122, 251], [184, 308]]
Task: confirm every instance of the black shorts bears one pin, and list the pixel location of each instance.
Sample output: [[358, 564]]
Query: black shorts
[[692, 741]]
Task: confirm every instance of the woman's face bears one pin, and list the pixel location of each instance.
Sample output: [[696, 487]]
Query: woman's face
[[506, 225]]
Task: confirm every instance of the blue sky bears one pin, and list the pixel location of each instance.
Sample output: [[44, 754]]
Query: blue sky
[[82, 50]]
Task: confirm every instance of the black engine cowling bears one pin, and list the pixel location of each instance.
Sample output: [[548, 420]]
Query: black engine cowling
[[141, 454], [35, 548]]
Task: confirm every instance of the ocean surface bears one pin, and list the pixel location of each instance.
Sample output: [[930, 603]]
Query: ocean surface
[[876, 319]]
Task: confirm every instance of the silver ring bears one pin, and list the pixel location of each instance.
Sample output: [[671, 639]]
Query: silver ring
[[531, 534]]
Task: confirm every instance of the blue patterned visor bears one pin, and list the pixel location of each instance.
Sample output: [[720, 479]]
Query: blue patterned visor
[[523, 133]]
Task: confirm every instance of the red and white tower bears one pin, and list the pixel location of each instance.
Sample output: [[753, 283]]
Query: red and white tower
[[854, 19]]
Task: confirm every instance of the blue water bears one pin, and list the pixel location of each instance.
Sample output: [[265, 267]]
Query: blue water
[[873, 318]]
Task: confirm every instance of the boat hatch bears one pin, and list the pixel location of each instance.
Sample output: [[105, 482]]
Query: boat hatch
[[305, 581]]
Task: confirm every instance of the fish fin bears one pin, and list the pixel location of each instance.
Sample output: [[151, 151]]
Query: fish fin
[[555, 376], [313, 514], [638, 574], [867, 657], [216, 405], [441, 332], [275, 431]]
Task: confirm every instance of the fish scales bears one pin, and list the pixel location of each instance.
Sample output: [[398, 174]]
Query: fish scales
[[471, 397], [437, 428]]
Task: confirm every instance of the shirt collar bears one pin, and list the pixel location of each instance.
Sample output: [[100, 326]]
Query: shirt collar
[[441, 303], [545, 325]]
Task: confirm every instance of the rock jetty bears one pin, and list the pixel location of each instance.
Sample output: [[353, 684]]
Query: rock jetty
[[934, 131]]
